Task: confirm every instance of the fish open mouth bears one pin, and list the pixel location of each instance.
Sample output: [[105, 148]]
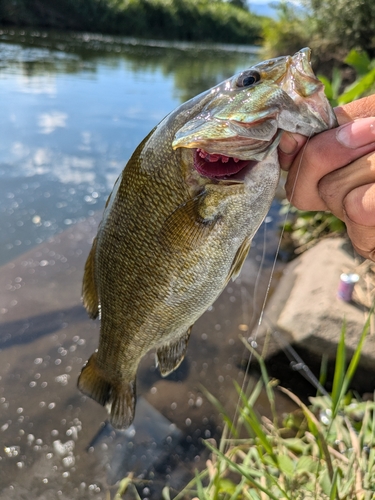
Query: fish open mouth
[[217, 165]]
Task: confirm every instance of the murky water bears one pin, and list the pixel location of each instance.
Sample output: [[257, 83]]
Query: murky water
[[73, 108]]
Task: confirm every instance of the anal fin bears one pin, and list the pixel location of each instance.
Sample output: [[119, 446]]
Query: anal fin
[[118, 397], [170, 356], [89, 291]]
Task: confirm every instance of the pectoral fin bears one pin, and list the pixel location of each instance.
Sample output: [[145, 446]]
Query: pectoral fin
[[170, 356], [118, 397], [185, 228], [191, 223], [238, 260], [89, 291]]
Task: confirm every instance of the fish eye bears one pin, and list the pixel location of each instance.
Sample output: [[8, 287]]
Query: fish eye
[[248, 78]]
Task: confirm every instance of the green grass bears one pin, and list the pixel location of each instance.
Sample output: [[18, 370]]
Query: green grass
[[305, 227], [323, 451]]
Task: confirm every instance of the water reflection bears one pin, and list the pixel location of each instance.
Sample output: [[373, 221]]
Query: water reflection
[[73, 110], [193, 67]]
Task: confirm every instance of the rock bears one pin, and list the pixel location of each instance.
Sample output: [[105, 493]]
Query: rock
[[305, 311]]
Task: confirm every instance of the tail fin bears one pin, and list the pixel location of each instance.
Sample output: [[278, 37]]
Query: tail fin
[[121, 405], [119, 398]]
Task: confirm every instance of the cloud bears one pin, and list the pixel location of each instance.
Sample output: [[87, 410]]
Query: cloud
[[49, 122]]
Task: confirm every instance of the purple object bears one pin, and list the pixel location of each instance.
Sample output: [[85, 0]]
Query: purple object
[[346, 286]]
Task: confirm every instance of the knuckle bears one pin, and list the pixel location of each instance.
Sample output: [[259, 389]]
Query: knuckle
[[364, 252], [327, 189], [353, 209], [359, 205]]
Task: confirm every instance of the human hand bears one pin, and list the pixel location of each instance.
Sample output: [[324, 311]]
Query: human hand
[[335, 171]]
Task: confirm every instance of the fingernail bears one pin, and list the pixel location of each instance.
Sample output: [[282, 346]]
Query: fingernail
[[357, 134], [288, 144]]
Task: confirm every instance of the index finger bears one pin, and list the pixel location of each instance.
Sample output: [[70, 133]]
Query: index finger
[[324, 153], [361, 108]]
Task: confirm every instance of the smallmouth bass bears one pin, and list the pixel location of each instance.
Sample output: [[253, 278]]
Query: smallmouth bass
[[180, 219]]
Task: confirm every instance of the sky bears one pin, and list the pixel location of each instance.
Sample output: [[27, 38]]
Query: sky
[[264, 7]]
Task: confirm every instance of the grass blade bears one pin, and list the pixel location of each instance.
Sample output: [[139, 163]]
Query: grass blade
[[250, 416], [221, 409], [182, 494], [353, 365], [323, 372], [314, 427], [201, 494], [340, 366], [242, 471], [333, 492], [265, 377]]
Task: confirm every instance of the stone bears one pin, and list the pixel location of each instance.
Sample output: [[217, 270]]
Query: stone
[[305, 310]]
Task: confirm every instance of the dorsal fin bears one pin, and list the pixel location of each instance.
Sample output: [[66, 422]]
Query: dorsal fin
[[170, 356]]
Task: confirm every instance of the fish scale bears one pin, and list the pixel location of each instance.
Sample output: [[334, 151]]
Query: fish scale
[[173, 234]]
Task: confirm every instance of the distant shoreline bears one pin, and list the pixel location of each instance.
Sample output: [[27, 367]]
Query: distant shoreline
[[209, 21], [8, 34]]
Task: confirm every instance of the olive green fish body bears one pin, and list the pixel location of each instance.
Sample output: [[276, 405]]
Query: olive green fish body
[[179, 222]]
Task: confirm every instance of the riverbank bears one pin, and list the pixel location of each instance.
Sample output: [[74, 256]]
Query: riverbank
[[181, 20]]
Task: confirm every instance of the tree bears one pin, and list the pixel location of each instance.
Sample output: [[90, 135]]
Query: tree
[[242, 4], [347, 23]]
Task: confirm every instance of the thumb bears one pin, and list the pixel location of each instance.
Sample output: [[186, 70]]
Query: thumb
[[290, 145]]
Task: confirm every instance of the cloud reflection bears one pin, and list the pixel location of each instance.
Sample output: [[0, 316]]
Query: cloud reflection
[[74, 170], [42, 156], [37, 84], [19, 150], [68, 169], [49, 122]]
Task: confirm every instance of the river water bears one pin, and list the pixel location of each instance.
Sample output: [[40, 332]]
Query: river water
[[73, 108]]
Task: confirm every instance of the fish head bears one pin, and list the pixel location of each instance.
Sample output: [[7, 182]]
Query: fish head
[[242, 118]]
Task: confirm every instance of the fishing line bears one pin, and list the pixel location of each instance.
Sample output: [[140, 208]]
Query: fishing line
[[257, 281], [296, 362], [261, 316], [280, 240], [245, 316]]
